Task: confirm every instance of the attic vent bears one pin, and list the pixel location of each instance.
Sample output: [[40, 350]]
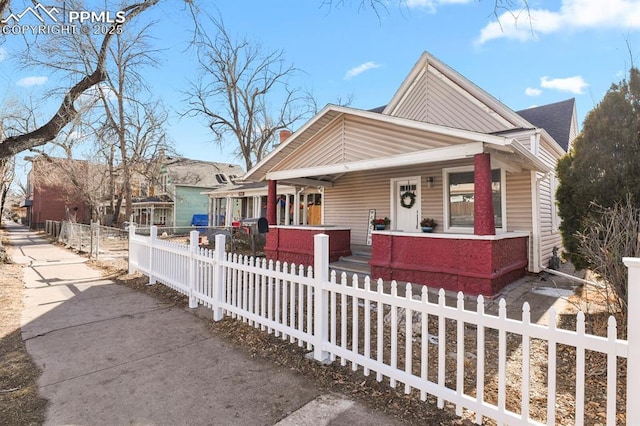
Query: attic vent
[[221, 178]]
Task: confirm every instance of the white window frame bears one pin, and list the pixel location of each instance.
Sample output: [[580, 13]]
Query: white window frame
[[446, 198]]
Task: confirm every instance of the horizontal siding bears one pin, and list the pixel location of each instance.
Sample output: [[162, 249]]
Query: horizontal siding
[[355, 138], [414, 105], [377, 139], [324, 148], [520, 206], [348, 202], [524, 140], [436, 99], [547, 155], [549, 237], [519, 215]]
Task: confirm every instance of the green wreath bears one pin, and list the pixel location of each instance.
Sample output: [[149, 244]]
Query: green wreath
[[407, 204]]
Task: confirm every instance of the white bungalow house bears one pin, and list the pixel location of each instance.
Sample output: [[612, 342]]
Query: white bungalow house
[[442, 148]]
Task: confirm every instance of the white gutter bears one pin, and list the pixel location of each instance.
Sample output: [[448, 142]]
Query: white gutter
[[571, 277]]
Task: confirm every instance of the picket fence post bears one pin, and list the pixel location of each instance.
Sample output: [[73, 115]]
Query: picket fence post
[[321, 301], [152, 242], [132, 233], [218, 277], [633, 338], [193, 247]]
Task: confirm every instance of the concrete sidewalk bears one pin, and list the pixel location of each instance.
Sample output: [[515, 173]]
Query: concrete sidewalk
[[110, 356]]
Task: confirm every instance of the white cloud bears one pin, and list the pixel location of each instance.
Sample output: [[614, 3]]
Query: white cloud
[[530, 91], [575, 85], [3, 54], [430, 5], [572, 15], [32, 81], [353, 72]]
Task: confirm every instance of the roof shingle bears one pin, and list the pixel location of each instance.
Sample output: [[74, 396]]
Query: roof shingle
[[555, 118]]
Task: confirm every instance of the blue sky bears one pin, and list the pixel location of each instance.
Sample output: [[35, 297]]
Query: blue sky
[[571, 48]]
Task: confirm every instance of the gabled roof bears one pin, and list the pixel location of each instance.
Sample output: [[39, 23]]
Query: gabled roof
[[433, 90], [188, 172], [439, 113], [557, 119], [430, 142]]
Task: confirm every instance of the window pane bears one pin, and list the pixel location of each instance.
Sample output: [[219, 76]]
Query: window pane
[[461, 199]]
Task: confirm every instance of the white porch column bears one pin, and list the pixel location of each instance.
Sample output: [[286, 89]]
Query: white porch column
[[228, 217], [287, 209], [305, 209]]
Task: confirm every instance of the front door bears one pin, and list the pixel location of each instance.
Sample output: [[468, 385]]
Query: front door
[[406, 208]]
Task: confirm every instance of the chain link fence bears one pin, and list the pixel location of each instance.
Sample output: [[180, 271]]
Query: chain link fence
[[95, 239], [103, 241]]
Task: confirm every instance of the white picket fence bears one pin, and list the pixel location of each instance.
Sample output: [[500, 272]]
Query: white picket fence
[[401, 338]]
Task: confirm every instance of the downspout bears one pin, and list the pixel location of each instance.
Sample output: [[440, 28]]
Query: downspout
[[535, 207], [535, 225]]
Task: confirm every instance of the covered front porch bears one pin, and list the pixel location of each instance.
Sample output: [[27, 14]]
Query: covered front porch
[[479, 259], [152, 211], [478, 187]]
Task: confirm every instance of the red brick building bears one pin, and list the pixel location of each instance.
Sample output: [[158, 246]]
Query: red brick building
[[55, 193]]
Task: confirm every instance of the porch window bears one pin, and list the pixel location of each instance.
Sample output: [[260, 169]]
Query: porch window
[[162, 216], [163, 183], [459, 198]]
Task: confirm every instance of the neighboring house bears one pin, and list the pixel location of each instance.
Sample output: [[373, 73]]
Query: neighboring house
[[176, 193], [53, 192], [241, 200], [441, 148]]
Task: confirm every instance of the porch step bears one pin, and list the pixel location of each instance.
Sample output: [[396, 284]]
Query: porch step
[[357, 263]]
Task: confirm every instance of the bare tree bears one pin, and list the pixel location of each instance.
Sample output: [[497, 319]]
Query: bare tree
[[7, 174], [606, 239], [67, 111], [117, 113], [137, 128], [382, 6], [238, 89], [131, 122]]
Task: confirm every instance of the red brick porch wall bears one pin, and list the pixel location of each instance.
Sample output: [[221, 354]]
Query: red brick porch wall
[[295, 244], [477, 265]]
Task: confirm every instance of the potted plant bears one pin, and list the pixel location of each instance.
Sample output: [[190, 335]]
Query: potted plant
[[380, 224], [428, 224]]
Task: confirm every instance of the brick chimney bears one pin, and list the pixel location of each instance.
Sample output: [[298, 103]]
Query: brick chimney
[[284, 134]]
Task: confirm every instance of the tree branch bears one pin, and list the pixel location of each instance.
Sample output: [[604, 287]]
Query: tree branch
[[67, 112]]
